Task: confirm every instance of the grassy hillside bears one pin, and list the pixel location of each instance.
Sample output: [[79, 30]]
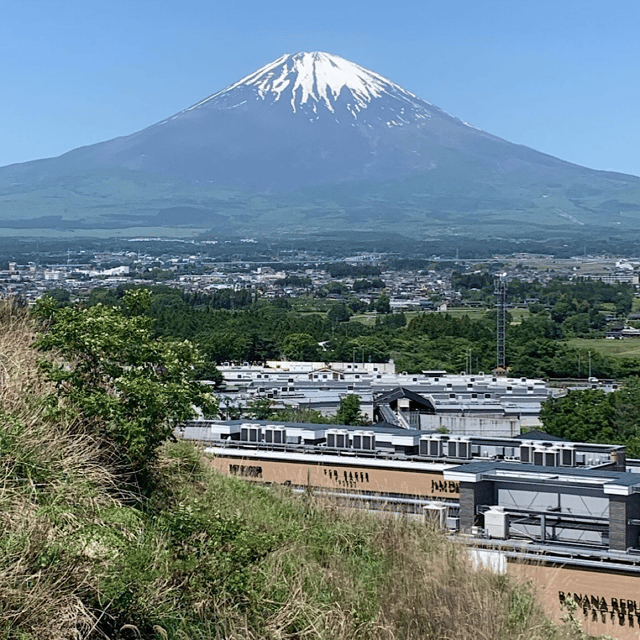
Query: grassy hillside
[[627, 348], [85, 554], [458, 199]]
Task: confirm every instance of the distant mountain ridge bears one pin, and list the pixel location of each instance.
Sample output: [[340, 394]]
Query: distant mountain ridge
[[322, 143]]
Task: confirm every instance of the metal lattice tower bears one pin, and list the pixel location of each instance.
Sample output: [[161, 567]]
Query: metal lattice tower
[[501, 305]]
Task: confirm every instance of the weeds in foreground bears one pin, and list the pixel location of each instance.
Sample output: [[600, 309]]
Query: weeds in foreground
[[53, 483]]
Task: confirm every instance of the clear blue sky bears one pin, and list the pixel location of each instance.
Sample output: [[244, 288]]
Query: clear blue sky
[[559, 76]]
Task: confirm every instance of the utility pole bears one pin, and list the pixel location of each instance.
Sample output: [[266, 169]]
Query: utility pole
[[501, 303]]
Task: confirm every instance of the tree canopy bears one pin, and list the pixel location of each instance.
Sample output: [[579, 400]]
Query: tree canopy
[[591, 415], [127, 385], [239, 327]]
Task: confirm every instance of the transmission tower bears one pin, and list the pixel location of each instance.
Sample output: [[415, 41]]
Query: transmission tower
[[501, 305]]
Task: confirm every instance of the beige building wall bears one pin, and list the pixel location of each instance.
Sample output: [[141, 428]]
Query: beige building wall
[[608, 602], [342, 477]]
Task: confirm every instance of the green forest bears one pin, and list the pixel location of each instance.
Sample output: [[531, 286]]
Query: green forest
[[241, 326]]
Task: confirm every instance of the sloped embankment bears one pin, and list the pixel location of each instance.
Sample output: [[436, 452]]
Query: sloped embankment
[[204, 556]]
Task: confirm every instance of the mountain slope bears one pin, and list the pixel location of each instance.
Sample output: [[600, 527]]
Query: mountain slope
[[299, 131]]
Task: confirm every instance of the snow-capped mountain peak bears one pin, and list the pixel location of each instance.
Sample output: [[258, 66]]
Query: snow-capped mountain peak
[[310, 80]]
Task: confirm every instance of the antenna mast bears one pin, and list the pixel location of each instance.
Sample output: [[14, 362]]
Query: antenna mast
[[501, 304]]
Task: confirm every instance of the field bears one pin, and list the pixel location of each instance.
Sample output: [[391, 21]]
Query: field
[[517, 315], [625, 348]]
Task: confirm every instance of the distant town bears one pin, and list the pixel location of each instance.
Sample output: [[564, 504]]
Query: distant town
[[411, 284]]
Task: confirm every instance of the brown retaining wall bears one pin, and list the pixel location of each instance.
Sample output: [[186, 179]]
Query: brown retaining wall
[[339, 477]]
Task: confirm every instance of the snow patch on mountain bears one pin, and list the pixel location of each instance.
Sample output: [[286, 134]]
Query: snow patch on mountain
[[317, 78]]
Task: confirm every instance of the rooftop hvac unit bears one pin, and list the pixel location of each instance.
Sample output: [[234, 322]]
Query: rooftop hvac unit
[[436, 513], [568, 457], [453, 524], [552, 457], [275, 435], [546, 456], [364, 440], [251, 434], [452, 448], [338, 438], [464, 449], [496, 522], [369, 441], [424, 446], [526, 453], [435, 448]]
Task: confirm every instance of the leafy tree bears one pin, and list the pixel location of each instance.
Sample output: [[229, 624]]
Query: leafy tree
[[349, 410], [259, 409], [300, 346], [383, 304], [281, 303], [536, 307], [580, 416], [126, 386], [626, 418], [228, 410], [260, 350], [357, 306], [594, 416], [61, 296], [392, 321], [208, 371], [369, 348], [333, 288], [295, 281], [338, 313]]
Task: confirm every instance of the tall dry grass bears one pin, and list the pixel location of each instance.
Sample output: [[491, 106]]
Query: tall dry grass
[[416, 584], [47, 470], [351, 575]]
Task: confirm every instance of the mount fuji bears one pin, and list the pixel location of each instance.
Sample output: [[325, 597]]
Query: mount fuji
[[312, 141]]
